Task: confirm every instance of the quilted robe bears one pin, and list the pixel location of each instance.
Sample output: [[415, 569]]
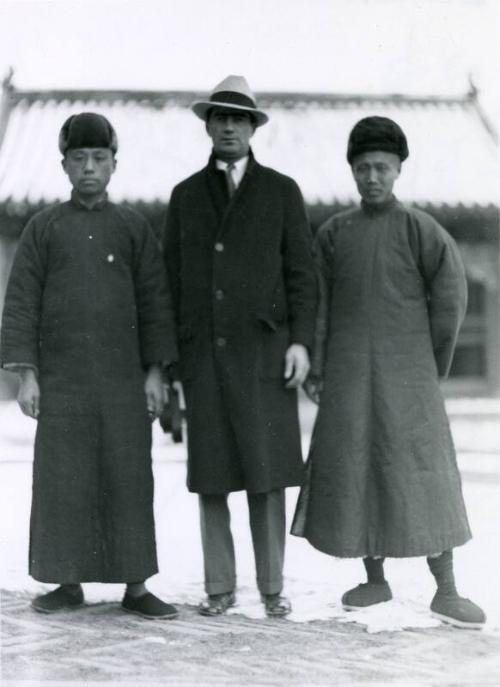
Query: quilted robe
[[382, 473], [87, 305]]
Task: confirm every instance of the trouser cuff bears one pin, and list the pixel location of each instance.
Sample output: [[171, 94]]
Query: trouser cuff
[[220, 586], [270, 586]]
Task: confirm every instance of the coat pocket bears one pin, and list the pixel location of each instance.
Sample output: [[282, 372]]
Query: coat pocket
[[273, 344], [188, 351]]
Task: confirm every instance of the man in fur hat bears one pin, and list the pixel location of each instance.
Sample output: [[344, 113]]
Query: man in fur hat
[[87, 324], [382, 473], [237, 247]]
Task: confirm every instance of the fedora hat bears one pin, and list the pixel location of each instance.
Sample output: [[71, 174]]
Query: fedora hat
[[234, 93]]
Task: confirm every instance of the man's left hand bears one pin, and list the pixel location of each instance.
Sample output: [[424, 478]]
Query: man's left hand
[[155, 392], [296, 366]]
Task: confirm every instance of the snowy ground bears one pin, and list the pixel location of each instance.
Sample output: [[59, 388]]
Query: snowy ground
[[314, 582]]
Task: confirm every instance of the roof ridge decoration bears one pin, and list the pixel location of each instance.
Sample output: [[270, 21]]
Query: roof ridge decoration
[[160, 98], [283, 98]]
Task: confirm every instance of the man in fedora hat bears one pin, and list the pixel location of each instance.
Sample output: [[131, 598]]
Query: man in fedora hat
[[237, 249], [87, 324], [382, 473]]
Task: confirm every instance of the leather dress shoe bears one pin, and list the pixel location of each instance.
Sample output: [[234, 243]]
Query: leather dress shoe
[[276, 606], [217, 604]]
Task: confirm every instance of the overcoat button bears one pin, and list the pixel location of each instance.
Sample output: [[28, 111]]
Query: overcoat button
[[219, 294], [219, 247], [221, 342], [111, 257]]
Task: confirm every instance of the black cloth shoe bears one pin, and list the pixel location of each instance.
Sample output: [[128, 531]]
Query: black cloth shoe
[[59, 599], [149, 606], [276, 606], [457, 611], [217, 604], [366, 594]]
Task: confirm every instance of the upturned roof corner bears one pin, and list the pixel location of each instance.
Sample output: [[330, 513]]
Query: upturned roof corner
[[6, 101], [473, 96]]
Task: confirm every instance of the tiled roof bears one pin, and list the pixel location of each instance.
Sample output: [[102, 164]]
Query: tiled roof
[[453, 151]]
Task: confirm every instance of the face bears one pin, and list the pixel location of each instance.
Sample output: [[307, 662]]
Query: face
[[375, 173], [89, 170], [230, 131]]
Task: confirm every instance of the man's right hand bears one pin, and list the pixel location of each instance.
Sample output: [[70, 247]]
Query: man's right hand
[[29, 393]]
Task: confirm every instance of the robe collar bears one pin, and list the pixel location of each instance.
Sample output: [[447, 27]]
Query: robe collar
[[378, 209], [100, 205]]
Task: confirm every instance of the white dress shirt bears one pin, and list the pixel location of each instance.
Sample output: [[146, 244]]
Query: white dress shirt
[[240, 167]]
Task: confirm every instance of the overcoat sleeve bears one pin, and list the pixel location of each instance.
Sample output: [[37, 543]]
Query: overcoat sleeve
[[299, 272], [22, 309], [444, 276], [154, 303], [322, 252], [171, 249]]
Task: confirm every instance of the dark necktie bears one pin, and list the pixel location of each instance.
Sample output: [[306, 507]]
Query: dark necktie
[[231, 186]]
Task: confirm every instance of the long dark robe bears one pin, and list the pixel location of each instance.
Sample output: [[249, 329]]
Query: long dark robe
[[382, 474], [87, 305]]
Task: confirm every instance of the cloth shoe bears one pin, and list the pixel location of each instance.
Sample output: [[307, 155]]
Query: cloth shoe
[[457, 611], [149, 606], [217, 604], [366, 594], [59, 599], [276, 606]]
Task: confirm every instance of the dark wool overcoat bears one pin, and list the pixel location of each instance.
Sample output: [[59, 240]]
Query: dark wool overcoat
[[382, 474], [87, 305], [244, 289]]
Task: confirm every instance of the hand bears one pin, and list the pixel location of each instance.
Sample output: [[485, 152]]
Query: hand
[[28, 396], [296, 365], [313, 386], [155, 391]]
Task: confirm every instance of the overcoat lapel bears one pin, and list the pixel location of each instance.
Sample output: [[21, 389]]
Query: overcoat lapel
[[223, 205], [215, 185]]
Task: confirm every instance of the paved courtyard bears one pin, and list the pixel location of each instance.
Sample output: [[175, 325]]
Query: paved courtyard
[[398, 643], [100, 643]]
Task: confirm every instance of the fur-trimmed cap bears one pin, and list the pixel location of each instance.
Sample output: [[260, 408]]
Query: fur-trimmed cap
[[87, 130], [377, 133]]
